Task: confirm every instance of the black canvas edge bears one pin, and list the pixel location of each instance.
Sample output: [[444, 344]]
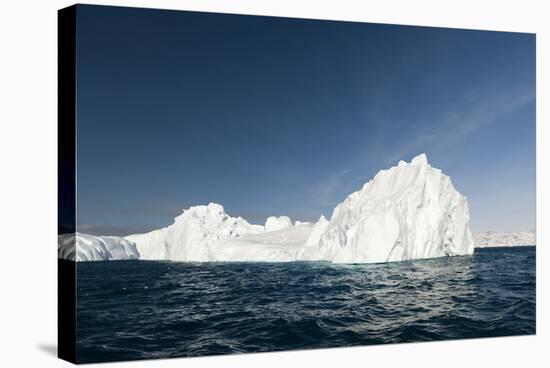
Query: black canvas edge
[[66, 179], [300, 17]]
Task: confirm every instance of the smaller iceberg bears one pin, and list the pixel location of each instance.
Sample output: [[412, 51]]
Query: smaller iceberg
[[84, 247], [194, 235]]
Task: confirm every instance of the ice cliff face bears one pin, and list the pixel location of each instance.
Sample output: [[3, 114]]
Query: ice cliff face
[[499, 239], [411, 211], [151, 245], [310, 249], [83, 247], [194, 235]]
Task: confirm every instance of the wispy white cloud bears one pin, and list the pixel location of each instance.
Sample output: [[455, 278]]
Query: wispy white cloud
[[324, 192], [437, 130], [473, 111], [336, 186]]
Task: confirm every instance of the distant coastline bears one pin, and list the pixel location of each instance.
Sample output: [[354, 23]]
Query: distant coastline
[[505, 239]]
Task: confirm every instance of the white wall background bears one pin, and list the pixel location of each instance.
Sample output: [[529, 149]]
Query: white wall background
[[28, 141]]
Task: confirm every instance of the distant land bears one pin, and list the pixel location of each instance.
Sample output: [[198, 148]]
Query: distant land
[[502, 239]]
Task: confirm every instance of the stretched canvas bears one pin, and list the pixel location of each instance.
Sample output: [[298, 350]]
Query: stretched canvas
[[241, 184]]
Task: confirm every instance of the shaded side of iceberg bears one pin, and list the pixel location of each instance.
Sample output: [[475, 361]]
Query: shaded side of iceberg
[[83, 247]]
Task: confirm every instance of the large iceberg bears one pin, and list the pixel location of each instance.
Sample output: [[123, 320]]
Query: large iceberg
[[84, 247], [410, 211]]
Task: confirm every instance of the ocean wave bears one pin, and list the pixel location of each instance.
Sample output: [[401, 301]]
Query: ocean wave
[[136, 310]]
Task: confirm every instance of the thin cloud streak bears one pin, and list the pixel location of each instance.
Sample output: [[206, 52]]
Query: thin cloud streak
[[473, 113]]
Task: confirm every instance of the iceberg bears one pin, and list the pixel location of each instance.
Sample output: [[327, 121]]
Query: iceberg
[[410, 211], [84, 247], [194, 236], [209, 234]]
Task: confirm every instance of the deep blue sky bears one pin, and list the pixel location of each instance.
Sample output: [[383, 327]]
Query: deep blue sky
[[273, 116]]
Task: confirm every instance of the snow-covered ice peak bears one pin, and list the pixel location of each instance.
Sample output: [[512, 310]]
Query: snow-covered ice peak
[[274, 223], [193, 234], [421, 159], [310, 250], [212, 210]]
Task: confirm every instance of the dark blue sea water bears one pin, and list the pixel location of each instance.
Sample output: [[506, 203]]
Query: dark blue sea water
[[142, 309]]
